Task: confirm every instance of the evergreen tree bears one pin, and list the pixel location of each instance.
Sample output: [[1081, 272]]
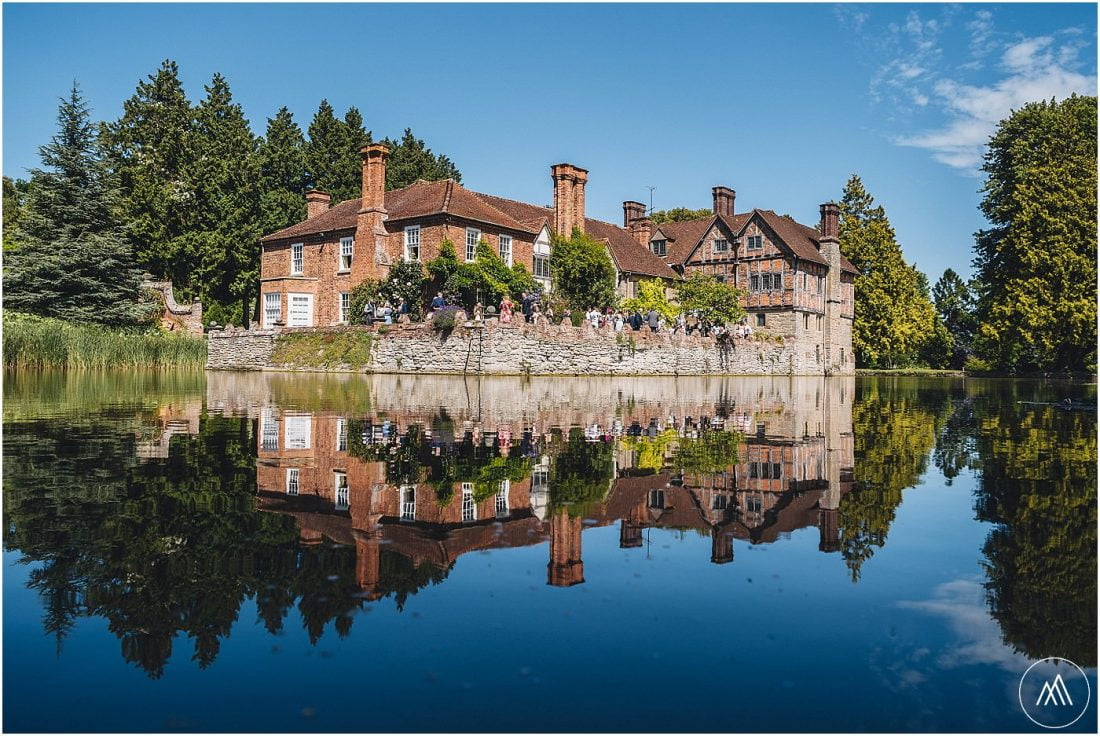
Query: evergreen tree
[[1036, 265], [225, 173], [283, 174], [74, 260], [148, 148], [410, 160], [955, 308], [332, 152], [893, 318]]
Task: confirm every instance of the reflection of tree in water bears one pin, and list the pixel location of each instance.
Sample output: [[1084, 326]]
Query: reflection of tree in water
[[894, 422], [1036, 469], [580, 471], [163, 548]]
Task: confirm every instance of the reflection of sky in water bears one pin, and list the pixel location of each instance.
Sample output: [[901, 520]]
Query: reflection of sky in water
[[655, 638]]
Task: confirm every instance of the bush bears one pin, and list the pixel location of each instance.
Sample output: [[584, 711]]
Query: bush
[[974, 364], [444, 320], [576, 317]]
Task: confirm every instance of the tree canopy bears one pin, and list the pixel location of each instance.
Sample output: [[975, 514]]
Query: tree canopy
[[1036, 264], [582, 271], [678, 214], [715, 301], [411, 160]]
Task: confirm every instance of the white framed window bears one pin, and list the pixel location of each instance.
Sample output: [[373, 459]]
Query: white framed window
[[273, 308], [469, 509], [408, 503], [340, 488], [659, 247], [721, 245], [269, 430], [345, 306], [297, 431], [656, 499], [341, 434], [297, 258], [347, 250], [501, 505], [292, 481], [756, 242], [542, 266], [754, 282], [506, 249], [473, 235], [412, 243]]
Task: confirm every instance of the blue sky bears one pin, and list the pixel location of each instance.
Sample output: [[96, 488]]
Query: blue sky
[[781, 102]]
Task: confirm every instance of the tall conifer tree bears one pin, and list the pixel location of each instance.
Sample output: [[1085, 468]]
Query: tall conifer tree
[[283, 174], [410, 160], [893, 318], [74, 260]]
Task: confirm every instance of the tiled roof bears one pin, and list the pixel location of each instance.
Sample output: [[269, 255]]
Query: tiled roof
[[629, 255], [416, 200]]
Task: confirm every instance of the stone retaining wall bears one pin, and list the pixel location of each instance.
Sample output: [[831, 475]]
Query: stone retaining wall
[[518, 349]]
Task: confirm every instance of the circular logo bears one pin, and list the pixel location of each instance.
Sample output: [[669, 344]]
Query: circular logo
[[1054, 693]]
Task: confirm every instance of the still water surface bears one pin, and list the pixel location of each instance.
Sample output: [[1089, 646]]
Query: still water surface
[[305, 553]]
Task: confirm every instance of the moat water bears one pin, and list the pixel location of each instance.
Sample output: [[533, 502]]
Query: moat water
[[245, 552]]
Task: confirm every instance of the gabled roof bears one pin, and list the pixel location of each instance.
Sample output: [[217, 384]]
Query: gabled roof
[[629, 255]]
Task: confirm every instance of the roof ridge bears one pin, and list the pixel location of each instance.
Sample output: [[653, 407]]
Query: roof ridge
[[509, 199]]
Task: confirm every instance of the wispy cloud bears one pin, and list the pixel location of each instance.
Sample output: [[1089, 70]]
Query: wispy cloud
[[920, 68]]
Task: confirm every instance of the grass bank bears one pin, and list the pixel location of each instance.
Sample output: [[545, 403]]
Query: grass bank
[[910, 372], [42, 342], [350, 348]]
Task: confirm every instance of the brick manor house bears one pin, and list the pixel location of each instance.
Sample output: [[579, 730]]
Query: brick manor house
[[797, 283]]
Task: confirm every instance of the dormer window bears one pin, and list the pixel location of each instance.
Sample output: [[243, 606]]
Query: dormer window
[[659, 247]]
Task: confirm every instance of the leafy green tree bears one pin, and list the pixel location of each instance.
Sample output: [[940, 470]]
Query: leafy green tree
[[224, 172], [15, 194], [893, 317], [410, 160], [582, 271], [716, 301], [487, 279], [74, 260], [149, 148], [955, 308], [1036, 265], [651, 295], [678, 214], [283, 174]]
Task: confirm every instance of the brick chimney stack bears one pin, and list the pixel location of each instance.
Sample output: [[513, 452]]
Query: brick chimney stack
[[641, 230], [370, 235], [569, 182], [830, 221], [316, 203], [632, 211], [723, 200]]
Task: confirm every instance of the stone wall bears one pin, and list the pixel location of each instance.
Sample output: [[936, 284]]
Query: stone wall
[[176, 317], [518, 349]]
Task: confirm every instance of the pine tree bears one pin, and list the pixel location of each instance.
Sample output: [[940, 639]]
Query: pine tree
[[74, 260], [332, 152], [15, 194], [1036, 266], [411, 160], [283, 175], [893, 318], [224, 174], [148, 148]]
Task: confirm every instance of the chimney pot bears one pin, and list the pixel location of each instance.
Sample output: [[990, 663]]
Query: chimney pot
[[830, 221], [316, 202], [724, 198], [632, 211], [569, 182]]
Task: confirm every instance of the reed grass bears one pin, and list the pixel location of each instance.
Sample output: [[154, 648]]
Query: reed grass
[[43, 342]]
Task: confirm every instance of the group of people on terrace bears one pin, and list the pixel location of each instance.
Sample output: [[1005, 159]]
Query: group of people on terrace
[[613, 320]]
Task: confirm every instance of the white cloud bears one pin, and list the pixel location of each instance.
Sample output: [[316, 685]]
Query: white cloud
[[912, 78]]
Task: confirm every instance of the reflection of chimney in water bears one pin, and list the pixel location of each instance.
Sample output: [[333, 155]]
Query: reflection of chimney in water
[[565, 567], [368, 561], [830, 530], [630, 534], [721, 546]]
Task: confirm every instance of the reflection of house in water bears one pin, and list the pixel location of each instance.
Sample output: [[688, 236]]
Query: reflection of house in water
[[794, 465]]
